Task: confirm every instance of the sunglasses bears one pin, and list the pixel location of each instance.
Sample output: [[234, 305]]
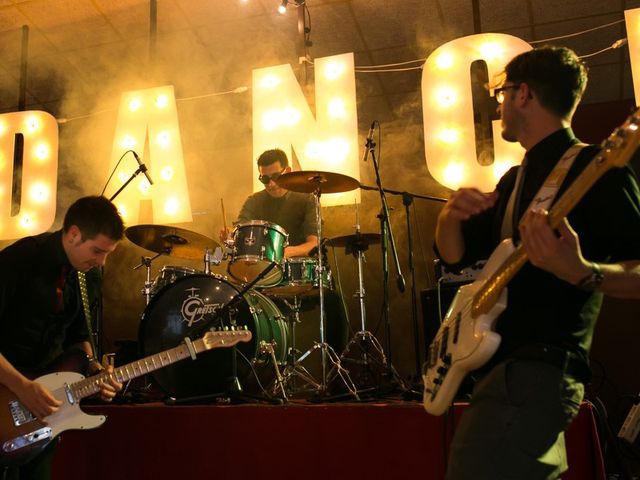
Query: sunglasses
[[265, 179]]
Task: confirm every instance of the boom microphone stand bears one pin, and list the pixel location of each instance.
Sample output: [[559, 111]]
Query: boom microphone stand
[[407, 200], [386, 239]]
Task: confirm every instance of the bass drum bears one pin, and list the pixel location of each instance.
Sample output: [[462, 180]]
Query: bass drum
[[183, 307]]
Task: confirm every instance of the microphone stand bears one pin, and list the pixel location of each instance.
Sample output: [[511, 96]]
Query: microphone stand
[[407, 201], [141, 169], [387, 236]]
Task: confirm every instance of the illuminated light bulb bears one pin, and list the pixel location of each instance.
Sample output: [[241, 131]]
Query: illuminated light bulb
[[454, 174], [270, 81], [313, 149], [135, 104], [26, 221], [333, 70], [163, 139], [162, 101], [449, 135], [3, 128], [291, 116], [171, 206], [39, 192], [128, 142], [282, 8], [42, 151], [33, 123], [491, 50], [336, 151], [337, 108], [271, 120], [446, 97], [500, 168], [444, 61], [123, 176], [144, 186], [166, 173]]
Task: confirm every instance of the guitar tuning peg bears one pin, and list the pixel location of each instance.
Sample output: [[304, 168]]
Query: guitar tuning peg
[[226, 328], [233, 328]]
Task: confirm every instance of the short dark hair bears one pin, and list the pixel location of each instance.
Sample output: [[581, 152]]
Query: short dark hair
[[94, 215], [555, 74], [271, 156]]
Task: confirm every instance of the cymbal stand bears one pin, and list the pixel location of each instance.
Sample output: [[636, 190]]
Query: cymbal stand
[[326, 351], [146, 263], [364, 339], [294, 368]]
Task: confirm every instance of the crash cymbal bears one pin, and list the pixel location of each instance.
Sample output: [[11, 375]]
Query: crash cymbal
[[364, 239], [308, 181], [173, 241]]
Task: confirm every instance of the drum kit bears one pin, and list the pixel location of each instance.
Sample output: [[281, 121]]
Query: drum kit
[[183, 302]]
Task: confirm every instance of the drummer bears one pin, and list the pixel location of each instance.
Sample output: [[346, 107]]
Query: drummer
[[293, 211]]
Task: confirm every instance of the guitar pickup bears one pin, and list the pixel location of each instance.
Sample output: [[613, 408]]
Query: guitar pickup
[[26, 440], [19, 413]]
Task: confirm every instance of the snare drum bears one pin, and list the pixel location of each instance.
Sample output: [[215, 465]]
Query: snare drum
[[256, 244], [301, 278]]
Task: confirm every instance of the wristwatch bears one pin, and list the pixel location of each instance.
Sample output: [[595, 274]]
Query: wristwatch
[[592, 281]]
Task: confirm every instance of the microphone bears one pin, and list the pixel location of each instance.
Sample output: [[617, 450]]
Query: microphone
[[143, 167], [369, 144]]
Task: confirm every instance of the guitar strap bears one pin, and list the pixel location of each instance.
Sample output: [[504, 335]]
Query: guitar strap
[[82, 282], [545, 195]]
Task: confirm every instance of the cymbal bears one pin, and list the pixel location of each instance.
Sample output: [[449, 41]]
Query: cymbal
[[172, 241], [358, 239], [308, 181]]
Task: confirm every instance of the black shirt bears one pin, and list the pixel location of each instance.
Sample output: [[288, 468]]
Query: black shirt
[[295, 212], [541, 308], [35, 324]]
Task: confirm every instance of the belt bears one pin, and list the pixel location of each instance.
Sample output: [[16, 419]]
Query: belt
[[567, 361]]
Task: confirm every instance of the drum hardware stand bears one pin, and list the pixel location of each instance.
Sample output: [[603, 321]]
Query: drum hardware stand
[[365, 340], [294, 368], [214, 258], [268, 347], [146, 263], [325, 349]]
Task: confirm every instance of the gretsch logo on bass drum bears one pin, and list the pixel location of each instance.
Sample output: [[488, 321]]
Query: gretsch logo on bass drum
[[194, 308]]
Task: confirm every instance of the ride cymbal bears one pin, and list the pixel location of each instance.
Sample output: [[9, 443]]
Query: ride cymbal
[[309, 181]]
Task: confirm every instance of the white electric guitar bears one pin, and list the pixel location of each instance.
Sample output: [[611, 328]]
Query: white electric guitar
[[22, 435], [465, 340]]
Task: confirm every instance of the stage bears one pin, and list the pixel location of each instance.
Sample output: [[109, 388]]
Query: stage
[[390, 439]]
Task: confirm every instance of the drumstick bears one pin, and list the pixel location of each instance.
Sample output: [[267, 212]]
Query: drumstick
[[224, 217]]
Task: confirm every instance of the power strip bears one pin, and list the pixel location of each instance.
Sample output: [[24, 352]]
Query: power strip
[[631, 426]]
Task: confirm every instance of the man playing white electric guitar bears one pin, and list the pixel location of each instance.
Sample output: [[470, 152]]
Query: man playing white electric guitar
[[531, 388], [42, 313]]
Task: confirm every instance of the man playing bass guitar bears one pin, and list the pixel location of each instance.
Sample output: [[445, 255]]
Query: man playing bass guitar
[[532, 387]]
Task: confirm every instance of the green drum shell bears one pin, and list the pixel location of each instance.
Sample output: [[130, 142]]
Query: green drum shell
[[256, 244]]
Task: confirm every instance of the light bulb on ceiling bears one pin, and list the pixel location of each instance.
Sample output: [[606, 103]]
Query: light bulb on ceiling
[[282, 9]]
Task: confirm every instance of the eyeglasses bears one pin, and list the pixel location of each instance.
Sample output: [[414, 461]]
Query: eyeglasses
[[265, 179], [498, 93]]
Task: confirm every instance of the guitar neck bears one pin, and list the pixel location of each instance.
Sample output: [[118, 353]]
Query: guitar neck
[[90, 386]]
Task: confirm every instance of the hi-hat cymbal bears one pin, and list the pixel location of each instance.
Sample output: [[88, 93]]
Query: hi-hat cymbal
[[172, 241], [356, 240], [308, 181]]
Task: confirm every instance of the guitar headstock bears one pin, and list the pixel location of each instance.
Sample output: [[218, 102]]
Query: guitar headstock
[[225, 338], [620, 146]]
